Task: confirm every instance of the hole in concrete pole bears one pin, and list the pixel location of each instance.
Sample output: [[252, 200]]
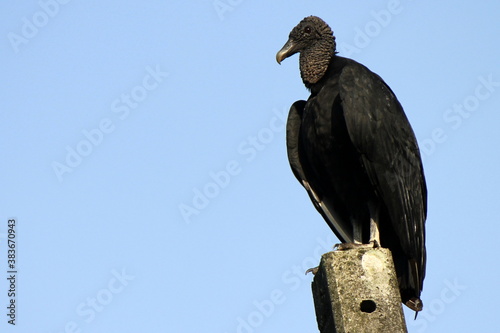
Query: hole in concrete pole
[[368, 306]]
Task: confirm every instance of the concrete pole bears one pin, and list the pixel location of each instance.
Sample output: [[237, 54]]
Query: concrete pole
[[357, 291]]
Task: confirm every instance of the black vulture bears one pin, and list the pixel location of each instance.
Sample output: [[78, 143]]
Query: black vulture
[[352, 148]]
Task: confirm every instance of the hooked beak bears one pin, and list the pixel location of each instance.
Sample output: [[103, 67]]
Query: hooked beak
[[287, 50]]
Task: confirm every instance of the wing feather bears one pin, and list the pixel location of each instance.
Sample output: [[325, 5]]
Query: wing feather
[[299, 165], [381, 133]]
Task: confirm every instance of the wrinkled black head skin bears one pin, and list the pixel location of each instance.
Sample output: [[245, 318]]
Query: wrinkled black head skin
[[314, 40]]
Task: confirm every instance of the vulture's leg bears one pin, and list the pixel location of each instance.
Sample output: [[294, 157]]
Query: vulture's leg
[[357, 234], [357, 231], [374, 230]]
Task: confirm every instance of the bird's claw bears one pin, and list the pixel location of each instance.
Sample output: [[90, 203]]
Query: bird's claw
[[313, 270]]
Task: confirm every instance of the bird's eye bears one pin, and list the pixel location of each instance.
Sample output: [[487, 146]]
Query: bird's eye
[[307, 30]]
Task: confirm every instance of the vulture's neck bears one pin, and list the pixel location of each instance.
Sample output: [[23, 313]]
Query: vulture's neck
[[314, 61]]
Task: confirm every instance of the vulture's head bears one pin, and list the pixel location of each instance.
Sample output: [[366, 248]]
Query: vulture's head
[[314, 40]]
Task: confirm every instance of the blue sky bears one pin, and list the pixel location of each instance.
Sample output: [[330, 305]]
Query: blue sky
[[143, 159]]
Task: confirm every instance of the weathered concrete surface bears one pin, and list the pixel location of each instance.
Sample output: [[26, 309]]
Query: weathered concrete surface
[[357, 291]]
